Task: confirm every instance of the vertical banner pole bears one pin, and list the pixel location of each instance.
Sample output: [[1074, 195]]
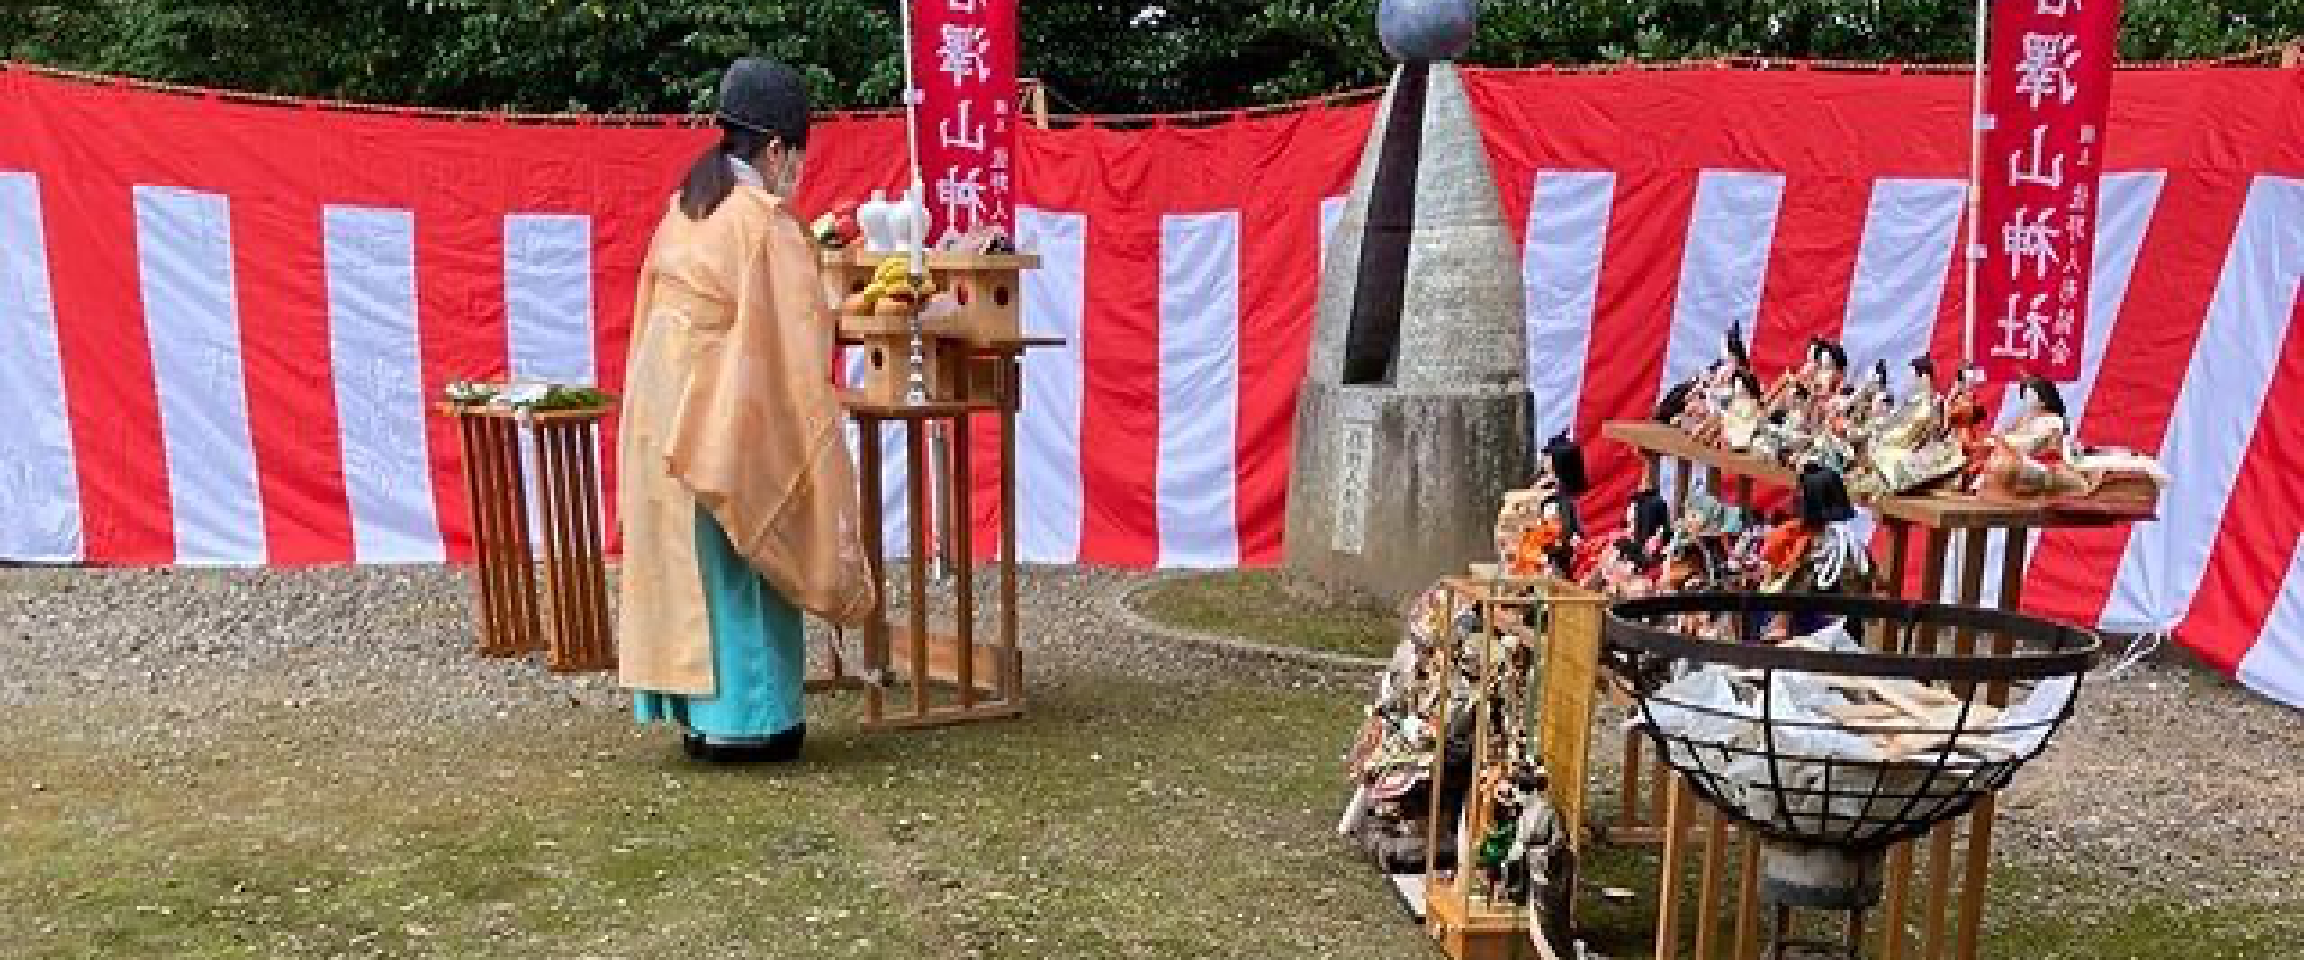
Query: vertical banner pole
[[1974, 252], [912, 97]]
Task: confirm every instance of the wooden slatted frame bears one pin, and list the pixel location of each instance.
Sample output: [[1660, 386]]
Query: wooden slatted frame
[[555, 603]]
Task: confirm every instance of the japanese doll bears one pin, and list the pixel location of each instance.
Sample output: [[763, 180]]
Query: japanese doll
[[1733, 426], [1538, 528], [1697, 404], [1839, 423], [1969, 422], [1863, 401], [2035, 457], [1911, 449], [1624, 565], [1788, 428], [1814, 552]]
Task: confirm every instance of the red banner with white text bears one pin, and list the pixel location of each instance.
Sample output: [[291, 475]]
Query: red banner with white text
[[964, 65], [2048, 85]]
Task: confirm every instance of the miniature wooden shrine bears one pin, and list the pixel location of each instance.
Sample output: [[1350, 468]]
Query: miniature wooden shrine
[[569, 622], [970, 357]]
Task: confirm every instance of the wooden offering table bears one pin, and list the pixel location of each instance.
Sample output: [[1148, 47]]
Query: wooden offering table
[[572, 626], [986, 681], [1933, 906], [971, 364]]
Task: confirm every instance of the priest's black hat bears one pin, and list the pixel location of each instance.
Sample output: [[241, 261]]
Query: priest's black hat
[[764, 96]]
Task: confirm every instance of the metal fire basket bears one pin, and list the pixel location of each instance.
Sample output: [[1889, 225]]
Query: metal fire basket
[[1868, 731]]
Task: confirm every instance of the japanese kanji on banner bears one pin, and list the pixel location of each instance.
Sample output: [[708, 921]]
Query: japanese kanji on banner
[[2048, 86], [964, 61]]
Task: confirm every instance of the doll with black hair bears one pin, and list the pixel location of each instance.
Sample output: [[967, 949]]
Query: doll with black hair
[[1913, 447], [2032, 457], [1814, 551], [1831, 367], [1969, 422], [1696, 404], [1861, 405], [1627, 564], [1537, 530], [1739, 418]]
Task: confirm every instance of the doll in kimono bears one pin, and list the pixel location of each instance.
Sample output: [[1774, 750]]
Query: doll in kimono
[[2031, 457], [1538, 529], [1740, 418], [1830, 371], [1788, 428], [1911, 448], [1969, 422], [2036, 457], [1814, 552], [1625, 566]]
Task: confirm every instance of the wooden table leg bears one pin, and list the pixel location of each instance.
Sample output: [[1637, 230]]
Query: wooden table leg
[[521, 555], [1938, 918], [1747, 945], [875, 639], [552, 527], [963, 563], [916, 437], [1892, 940], [1011, 658], [1677, 809], [594, 543], [1709, 880], [1978, 878], [483, 591], [1628, 806]]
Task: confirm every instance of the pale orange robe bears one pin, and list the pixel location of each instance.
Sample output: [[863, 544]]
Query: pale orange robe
[[728, 403]]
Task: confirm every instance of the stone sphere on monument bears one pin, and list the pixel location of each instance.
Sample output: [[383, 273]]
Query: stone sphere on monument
[[1427, 30]]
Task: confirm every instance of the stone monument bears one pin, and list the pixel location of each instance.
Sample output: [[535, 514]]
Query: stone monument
[[1415, 417]]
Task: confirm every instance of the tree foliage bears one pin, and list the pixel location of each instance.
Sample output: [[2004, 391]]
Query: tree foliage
[[1097, 55]]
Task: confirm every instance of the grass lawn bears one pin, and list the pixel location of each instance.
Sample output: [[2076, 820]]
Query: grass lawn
[[1118, 820], [2032, 914], [1255, 605], [1152, 804]]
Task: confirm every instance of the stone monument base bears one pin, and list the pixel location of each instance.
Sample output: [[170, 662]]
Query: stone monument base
[[1405, 487]]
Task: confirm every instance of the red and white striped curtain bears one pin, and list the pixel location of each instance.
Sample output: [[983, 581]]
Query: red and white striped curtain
[[224, 321]]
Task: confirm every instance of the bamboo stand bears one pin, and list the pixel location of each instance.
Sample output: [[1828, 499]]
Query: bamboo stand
[[1945, 877], [1466, 922], [570, 624]]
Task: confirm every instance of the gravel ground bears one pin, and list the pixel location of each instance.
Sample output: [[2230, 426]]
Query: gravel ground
[[2166, 779], [193, 644]]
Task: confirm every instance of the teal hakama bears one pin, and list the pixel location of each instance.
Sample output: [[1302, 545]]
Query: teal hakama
[[759, 654]]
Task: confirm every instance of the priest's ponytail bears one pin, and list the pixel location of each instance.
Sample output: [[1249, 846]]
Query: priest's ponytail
[[710, 179]]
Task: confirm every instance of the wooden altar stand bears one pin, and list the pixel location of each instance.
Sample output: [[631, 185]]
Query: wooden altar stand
[[569, 622], [1933, 905], [972, 366]]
